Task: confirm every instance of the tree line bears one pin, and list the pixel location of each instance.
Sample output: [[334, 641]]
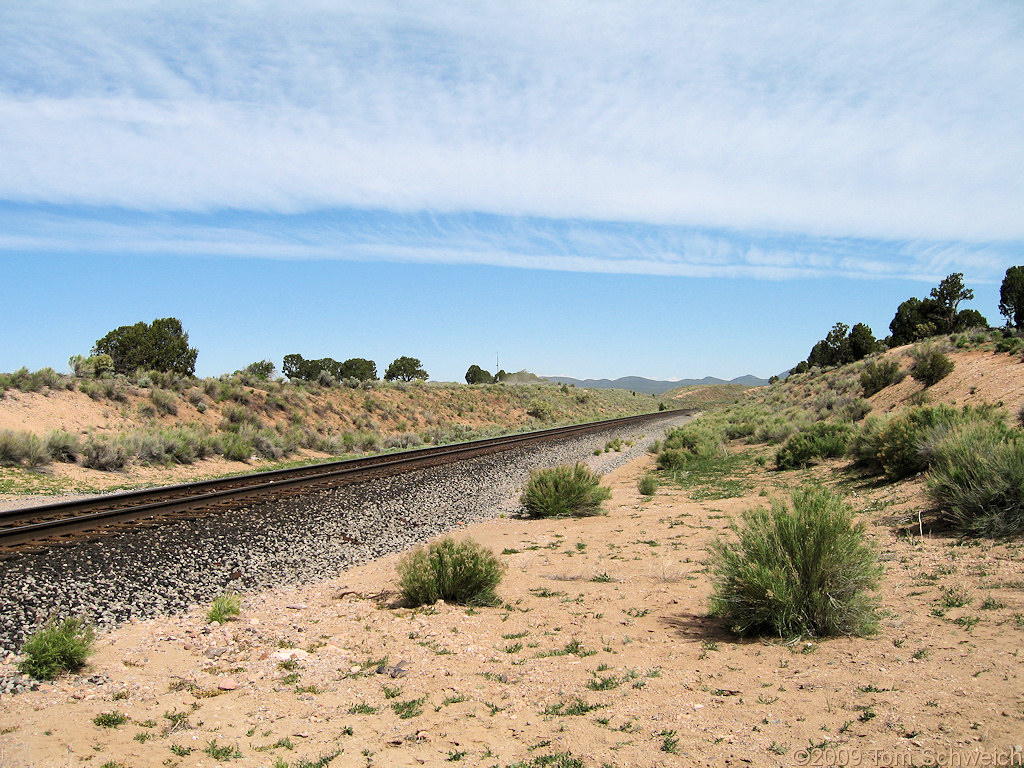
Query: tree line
[[917, 319], [163, 346]]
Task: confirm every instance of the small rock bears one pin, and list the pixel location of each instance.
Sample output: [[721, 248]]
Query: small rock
[[227, 684]]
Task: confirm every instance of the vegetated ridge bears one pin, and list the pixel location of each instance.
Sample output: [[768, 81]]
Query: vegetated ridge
[[90, 433]]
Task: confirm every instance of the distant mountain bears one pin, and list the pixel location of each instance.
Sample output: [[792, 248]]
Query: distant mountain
[[652, 387]]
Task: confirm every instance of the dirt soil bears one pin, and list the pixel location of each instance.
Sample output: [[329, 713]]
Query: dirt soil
[[603, 649]]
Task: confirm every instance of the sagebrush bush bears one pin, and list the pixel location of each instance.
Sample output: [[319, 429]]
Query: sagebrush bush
[[166, 403], [801, 572], [877, 375], [22, 449], [564, 491], [57, 648], [930, 365], [462, 572], [774, 431], [1010, 345], [907, 443], [977, 479], [62, 446], [647, 484], [695, 440], [819, 441], [104, 453], [865, 443]]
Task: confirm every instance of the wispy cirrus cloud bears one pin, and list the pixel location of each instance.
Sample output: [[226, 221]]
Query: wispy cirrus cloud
[[520, 242], [725, 138]]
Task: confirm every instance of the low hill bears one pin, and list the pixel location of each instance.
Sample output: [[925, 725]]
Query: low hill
[[652, 386], [91, 434]]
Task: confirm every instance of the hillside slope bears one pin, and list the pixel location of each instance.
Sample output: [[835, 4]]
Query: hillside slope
[[171, 429]]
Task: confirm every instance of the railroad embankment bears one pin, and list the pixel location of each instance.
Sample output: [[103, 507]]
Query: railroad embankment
[[72, 435]]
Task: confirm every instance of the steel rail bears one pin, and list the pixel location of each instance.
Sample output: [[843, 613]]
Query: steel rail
[[50, 522]]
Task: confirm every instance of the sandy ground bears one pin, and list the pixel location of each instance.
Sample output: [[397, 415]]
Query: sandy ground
[[603, 649]]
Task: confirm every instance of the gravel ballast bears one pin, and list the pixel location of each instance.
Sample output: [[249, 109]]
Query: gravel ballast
[[169, 568]]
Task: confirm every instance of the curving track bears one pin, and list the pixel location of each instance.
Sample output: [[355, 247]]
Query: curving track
[[65, 522]]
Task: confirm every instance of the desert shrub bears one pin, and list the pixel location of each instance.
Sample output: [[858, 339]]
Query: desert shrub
[[977, 479], [540, 410], [194, 396], [326, 379], [234, 447], [225, 607], [165, 402], [877, 375], [647, 484], [62, 446], [265, 444], [368, 442], [805, 572], [696, 440], [166, 446], [404, 440], [57, 648], [236, 416], [22, 449], [104, 453], [930, 365], [865, 444], [111, 389], [463, 572], [853, 409], [819, 441], [34, 381], [907, 443], [1010, 345], [774, 431], [564, 491]]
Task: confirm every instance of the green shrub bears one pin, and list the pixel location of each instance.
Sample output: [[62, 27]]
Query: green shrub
[[877, 375], [865, 444], [165, 402], [796, 573], [461, 572], [104, 453], [774, 431], [907, 443], [819, 441], [1010, 345], [647, 485], [696, 440], [62, 446], [57, 648], [977, 479], [26, 381], [164, 446], [930, 365], [564, 491], [22, 449], [234, 447], [540, 410], [224, 608]]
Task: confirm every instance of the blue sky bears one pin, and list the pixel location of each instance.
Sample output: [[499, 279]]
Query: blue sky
[[592, 189]]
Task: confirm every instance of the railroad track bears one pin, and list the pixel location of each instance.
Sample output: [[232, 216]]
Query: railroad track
[[67, 522]]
